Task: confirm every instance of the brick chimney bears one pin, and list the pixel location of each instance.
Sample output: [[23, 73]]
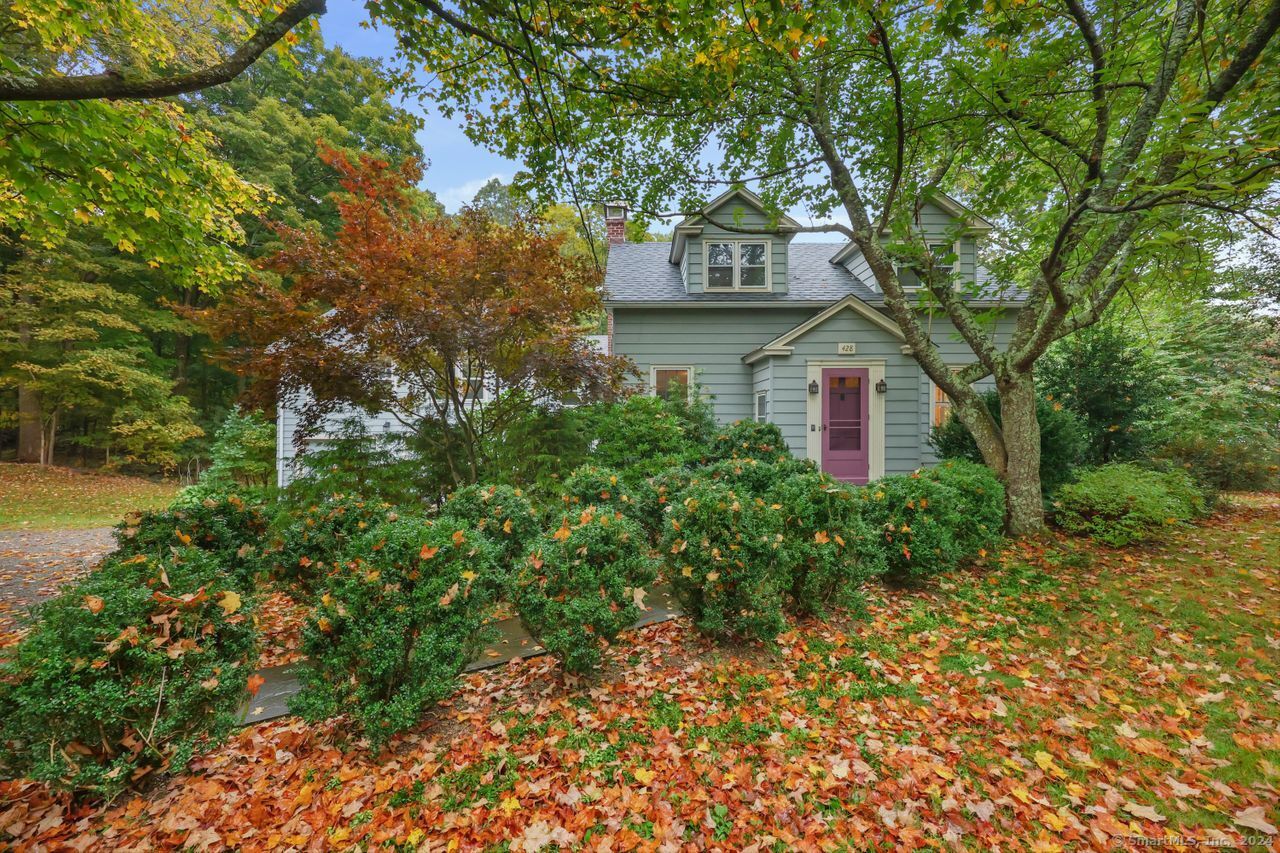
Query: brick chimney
[[615, 222]]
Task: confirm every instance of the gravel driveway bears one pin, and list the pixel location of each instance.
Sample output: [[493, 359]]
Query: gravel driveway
[[35, 563]]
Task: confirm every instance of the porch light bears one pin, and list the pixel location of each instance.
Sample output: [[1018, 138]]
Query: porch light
[[813, 386], [882, 387]]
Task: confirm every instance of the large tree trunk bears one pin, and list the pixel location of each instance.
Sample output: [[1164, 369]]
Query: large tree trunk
[[1024, 506], [30, 432]]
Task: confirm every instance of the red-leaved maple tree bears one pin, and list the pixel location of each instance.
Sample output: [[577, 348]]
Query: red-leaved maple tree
[[411, 315]]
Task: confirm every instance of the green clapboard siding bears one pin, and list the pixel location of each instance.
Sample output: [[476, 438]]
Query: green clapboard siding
[[713, 340]]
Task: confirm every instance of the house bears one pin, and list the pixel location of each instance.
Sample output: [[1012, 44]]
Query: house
[[793, 333]]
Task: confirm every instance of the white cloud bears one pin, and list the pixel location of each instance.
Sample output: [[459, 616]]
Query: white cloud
[[454, 198]]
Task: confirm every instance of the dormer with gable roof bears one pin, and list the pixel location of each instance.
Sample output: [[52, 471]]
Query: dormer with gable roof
[[946, 227], [733, 246]]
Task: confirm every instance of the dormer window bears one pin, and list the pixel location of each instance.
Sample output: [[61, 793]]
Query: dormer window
[[737, 265], [942, 255]]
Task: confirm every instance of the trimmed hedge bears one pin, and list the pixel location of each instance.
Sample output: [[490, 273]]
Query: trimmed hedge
[[828, 551], [1121, 504], [129, 674], [228, 527], [314, 540], [749, 440], [722, 548], [502, 513], [580, 586], [397, 624], [605, 488]]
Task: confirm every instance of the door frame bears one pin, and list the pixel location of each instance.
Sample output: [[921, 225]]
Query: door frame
[[875, 410]]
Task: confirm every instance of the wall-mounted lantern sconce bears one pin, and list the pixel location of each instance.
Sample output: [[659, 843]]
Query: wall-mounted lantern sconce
[[813, 386], [882, 387]]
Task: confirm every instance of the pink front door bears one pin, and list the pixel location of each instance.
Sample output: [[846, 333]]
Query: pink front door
[[845, 423]]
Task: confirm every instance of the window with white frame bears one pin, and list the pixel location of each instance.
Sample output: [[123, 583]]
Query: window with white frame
[[670, 382], [762, 406], [737, 264], [943, 256]]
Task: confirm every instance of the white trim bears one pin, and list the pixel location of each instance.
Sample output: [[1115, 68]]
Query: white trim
[[737, 242], [755, 412], [653, 376], [853, 303], [785, 222], [875, 416]]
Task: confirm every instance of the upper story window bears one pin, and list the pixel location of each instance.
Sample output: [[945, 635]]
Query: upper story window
[[943, 255], [737, 265]]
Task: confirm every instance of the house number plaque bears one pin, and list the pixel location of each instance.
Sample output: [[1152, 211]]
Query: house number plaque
[[846, 349]]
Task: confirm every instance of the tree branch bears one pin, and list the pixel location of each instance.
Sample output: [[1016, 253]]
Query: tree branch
[[112, 85]]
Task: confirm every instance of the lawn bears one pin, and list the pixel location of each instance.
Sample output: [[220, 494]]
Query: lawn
[[1060, 696], [34, 497]]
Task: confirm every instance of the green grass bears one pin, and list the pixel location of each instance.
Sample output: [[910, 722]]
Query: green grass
[[33, 497]]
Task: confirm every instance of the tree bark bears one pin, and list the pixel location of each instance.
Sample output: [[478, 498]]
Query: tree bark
[[29, 429], [111, 84], [1024, 505]]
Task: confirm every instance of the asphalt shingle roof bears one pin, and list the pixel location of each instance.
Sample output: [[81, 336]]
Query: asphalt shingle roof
[[642, 272]]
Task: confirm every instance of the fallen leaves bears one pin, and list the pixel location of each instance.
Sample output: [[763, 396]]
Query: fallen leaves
[[1039, 705]]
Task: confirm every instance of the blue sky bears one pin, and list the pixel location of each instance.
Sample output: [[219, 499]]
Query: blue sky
[[458, 166]]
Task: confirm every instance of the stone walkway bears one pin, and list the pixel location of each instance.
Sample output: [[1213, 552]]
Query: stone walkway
[[35, 563], [281, 682]]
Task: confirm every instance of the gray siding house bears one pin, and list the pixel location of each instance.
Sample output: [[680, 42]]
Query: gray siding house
[[792, 333]]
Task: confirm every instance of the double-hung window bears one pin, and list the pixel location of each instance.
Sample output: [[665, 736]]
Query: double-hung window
[[943, 256], [762, 406], [737, 265]]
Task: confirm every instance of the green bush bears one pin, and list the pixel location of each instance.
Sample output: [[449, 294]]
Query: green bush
[[827, 549], [1062, 440], [914, 523], [537, 445], [397, 624], [229, 527], [501, 513], [243, 459], [580, 585], [129, 674], [658, 494], [749, 440], [355, 460], [314, 540], [722, 549], [755, 476], [642, 436], [1109, 379], [1121, 504], [593, 485], [975, 510]]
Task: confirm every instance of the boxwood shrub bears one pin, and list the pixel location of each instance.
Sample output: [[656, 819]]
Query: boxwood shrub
[[642, 436], [396, 624], [722, 551], [606, 488], [313, 539], [975, 508], [1121, 504], [580, 583], [756, 476], [915, 524], [502, 513], [129, 674], [229, 527], [828, 551], [749, 440]]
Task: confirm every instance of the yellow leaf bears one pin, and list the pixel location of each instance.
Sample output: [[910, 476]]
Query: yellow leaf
[[944, 772], [509, 804], [643, 775], [713, 576], [230, 602], [1022, 794], [469, 576], [506, 526], [152, 213], [1044, 759]]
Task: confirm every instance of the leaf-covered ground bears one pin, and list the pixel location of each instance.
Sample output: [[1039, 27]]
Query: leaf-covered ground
[[1062, 696], [35, 497]]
